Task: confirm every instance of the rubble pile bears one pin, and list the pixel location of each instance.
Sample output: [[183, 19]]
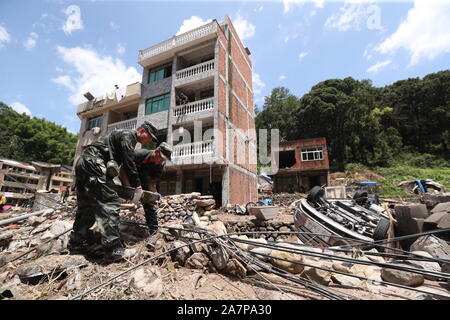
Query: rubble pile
[[268, 229], [195, 237], [285, 199]]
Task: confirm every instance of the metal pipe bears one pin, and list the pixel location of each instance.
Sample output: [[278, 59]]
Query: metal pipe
[[25, 216]]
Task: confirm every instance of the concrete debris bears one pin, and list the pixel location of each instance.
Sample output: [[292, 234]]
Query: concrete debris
[[437, 248], [49, 267], [426, 265], [198, 260], [402, 277], [279, 260], [148, 281], [34, 257]]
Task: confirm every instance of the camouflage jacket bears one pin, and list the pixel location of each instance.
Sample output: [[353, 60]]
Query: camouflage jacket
[[122, 144], [147, 171]]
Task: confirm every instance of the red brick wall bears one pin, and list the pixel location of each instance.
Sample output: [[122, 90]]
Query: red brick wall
[[240, 186], [298, 144]]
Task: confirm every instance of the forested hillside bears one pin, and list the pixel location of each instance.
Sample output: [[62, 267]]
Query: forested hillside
[[407, 122], [31, 139]]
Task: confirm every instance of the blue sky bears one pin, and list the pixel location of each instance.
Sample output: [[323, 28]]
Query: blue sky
[[53, 51]]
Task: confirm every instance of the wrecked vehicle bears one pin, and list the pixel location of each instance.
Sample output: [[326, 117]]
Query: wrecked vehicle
[[421, 186], [339, 222]]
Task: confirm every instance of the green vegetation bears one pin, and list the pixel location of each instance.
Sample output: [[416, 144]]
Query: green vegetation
[[394, 175], [29, 139], [377, 127]]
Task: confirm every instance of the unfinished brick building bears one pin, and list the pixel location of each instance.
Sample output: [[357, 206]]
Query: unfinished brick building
[[197, 90], [299, 165]]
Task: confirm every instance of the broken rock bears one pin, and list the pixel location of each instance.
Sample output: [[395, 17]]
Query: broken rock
[[235, 268], [402, 277], [198, 260], [437, 248], [49, 266], [148, 281], [219, 256], [180, 251], [292, 267], [427, 265]]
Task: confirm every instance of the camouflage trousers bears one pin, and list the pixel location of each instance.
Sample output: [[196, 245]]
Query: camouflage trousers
[[97, 202], [151, 216]]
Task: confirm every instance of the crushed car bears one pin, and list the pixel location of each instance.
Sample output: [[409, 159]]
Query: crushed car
[[340, 222]]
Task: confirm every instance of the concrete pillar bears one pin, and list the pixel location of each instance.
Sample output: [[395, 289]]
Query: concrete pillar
[[179, 183], [226, 186]]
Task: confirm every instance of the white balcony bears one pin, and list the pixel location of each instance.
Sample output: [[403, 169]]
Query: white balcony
[[200, 148], [152, 53], [195, 70], [194, 107], [127, 124]]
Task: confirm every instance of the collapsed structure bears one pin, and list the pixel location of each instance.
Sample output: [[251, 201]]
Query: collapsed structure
[[197, 90]]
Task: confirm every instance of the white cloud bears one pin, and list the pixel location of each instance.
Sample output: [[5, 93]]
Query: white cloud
[[73, 21], [379, 66], [4, 36], [192, 23], [425, 32], [244, 28], [113, 26], [30, 43], [258, 85], [288, 4], [302, 55], [94, 73], [120, 48], [350, 16], [258, 9], [20, 108], [281, 77], [65, 81]]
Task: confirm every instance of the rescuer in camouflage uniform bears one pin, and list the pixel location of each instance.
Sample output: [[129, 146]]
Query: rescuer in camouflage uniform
[[97, 199], [150, 165]]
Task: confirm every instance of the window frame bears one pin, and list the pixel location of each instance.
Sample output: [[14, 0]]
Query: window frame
[[94, 120], [312, 154], [166, 70], [149, 103]]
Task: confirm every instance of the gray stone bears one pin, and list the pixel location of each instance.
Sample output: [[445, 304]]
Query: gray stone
[[426, 265], [319, 276], [258, 251], [148, 281], [219, 256], [256, 244], [195, 218], [180, 251], [205, 202], [437, 248], [235, 268], [218, 228], [346, 281], [49, 266], [198, 260], [402, 277]]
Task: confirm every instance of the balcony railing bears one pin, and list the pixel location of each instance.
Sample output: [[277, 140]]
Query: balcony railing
[[127, 124], [193, 107], [194, 70], [176, 41], [193, 149]]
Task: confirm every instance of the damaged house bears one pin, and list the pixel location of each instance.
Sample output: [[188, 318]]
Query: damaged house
[[299, 165], [197, 90]]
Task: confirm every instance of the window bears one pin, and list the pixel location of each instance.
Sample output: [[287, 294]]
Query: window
[[95, 122], [157, 104], [159, 73], [312, 154]]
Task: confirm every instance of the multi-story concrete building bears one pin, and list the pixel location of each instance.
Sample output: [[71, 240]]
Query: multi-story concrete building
[[299, 165], [197, 90], [19, 179]]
